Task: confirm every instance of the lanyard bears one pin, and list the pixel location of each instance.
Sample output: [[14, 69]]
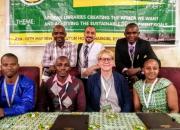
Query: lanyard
[[107, 91], [132, 56], [13, 94], [150, 93], [60, 98], [62, 53], [132, 60]]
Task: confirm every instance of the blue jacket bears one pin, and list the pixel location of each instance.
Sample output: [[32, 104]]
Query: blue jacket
[[24, 99], [121, 88]]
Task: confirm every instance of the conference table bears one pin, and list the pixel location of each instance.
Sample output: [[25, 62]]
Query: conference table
[[97, 121]]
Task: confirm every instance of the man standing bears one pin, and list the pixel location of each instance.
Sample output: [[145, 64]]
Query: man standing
[[130, 53], [62, 92], [88, 54], [58, 47], [17, 92]]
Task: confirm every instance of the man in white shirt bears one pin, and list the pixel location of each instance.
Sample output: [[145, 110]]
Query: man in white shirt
[[87, 61]]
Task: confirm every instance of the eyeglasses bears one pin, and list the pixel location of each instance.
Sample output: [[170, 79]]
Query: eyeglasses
[[56, 33], [105, 59]]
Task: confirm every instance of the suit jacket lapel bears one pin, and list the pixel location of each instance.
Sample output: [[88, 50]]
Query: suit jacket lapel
[[126, 48], [99, 82], [136, 54], [117, 87], [115, 82]]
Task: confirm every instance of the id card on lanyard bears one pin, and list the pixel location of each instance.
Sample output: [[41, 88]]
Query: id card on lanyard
[[10, 102], [107, 107], [147, 101]]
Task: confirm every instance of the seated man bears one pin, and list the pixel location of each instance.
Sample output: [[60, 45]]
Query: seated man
[[17, 92], [108, 90], [62, 92]]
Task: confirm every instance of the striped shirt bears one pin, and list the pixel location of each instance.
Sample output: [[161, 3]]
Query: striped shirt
[[52, 51]]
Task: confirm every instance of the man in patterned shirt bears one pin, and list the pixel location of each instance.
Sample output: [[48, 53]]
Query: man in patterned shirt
[[62, 92], [58, 47]]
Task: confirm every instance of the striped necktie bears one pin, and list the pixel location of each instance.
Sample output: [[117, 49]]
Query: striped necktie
[[86, 56], [131, 51]]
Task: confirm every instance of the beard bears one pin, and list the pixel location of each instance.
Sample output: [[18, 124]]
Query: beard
[[89, 40]]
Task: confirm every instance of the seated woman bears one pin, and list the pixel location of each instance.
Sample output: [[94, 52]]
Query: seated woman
[[108, 90], [154, 94]]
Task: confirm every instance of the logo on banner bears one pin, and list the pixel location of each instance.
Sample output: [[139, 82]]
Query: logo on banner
[[32, 2]]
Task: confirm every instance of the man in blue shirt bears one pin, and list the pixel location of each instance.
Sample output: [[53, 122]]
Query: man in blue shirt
[[17, 92]]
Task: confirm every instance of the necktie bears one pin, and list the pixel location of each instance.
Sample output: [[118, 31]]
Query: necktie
[[86, 56], [131, 52]]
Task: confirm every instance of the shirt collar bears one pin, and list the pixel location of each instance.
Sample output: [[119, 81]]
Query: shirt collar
[[134, 44], [88, 44], [63, 46], [69, 79]]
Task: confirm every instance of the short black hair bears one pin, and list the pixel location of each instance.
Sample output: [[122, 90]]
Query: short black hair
[[91, 26], [152, 58], [63, 58], [131, 25], [59, 26], [9, 55]]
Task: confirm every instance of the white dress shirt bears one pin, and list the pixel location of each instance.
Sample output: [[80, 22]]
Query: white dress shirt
[[93, 51]]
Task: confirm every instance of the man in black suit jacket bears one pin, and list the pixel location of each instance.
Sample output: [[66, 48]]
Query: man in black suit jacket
[[130, 53]]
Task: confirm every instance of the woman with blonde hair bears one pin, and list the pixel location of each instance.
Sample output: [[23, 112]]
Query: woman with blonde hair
[[107, 89]]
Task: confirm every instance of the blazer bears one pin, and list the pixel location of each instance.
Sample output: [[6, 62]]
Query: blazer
[[121, 88], [143, 49]]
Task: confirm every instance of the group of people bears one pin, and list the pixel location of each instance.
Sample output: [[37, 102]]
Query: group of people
[[104, 81]]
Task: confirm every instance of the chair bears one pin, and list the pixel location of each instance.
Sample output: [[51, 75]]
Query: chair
[[173, 74], [32, 72]]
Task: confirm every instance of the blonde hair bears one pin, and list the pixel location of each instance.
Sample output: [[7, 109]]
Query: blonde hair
[[107, 52]]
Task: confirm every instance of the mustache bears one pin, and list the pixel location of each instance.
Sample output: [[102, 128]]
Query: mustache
[[88, 37]]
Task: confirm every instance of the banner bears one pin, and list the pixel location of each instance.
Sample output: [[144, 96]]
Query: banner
[[31, 21]]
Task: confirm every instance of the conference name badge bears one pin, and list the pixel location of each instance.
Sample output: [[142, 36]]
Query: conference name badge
[[32, 2], [106, 108]]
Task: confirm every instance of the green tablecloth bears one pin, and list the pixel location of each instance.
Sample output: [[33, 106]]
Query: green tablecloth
[[97, 121]]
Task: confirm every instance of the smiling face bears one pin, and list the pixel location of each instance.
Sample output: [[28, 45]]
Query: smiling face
[[9, 66], [151, 70], [106, 61], [89, 34], [131, 33], [59, 34]]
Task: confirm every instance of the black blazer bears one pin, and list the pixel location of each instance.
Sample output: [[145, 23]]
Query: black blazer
[[143, 49]]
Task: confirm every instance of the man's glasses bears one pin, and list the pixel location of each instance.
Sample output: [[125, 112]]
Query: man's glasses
[[105, 59], [56, 33]]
